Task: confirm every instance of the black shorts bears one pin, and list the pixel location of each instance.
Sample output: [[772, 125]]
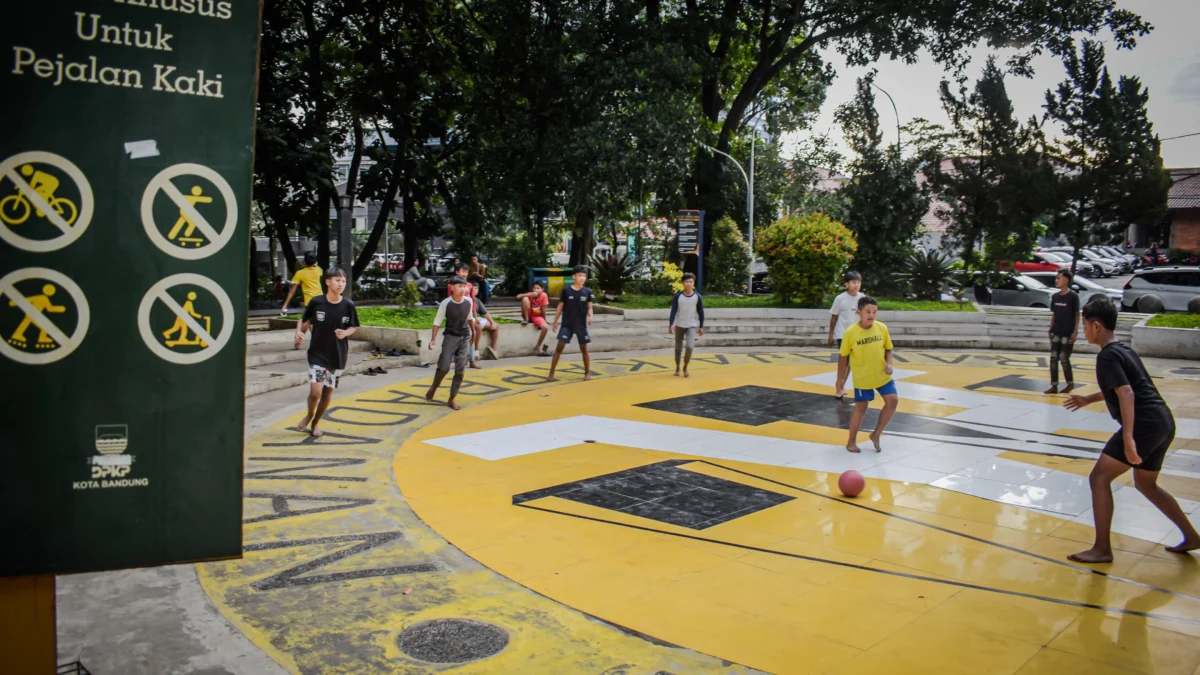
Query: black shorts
[[1152, 441], [574, 330]]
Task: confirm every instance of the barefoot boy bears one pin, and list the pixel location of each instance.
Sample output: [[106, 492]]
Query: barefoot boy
[[533, 310], [1064, 326], [867, 351], [687, 320], [844, 313], [333, 319], [575, 309], [458, 313], [1147, 429], [483, 322]]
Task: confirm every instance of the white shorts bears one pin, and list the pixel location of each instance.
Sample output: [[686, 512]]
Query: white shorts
[[485, 322], [321, 374]]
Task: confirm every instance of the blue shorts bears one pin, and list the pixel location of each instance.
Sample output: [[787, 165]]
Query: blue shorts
[[869, 395], [568, 331]]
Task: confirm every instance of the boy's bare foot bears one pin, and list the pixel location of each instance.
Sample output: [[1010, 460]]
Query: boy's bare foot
[[875, 441], [685, 373], [1052, 390], [551, 378], [677, 371], [1091, 555], [429, 395], [853, 447], [587, 377], [317, 433], [475, 364], [839, 394], [453, 405], [303, 426], [1187, 545], [1068, 389]]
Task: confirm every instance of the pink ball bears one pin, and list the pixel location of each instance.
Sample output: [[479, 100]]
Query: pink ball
[[851, 483]]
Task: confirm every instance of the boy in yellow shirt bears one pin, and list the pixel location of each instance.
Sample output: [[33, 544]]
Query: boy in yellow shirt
[[308, 280], [867, 352]]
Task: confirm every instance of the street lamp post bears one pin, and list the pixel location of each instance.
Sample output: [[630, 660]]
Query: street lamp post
[[749, 209], [894, 110], [345, 248]]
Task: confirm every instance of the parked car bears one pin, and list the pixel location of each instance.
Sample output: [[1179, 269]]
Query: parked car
[[1174, 286], [1086, 288], [1104, 266], [1082, 267], [1022, 291], [1123, 265], [1114, 252], [1030, 264]]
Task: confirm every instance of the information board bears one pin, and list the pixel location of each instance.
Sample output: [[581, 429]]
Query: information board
[[690, 223], [125, 173]]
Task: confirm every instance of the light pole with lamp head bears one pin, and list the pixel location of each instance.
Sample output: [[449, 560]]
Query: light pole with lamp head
[[749, 208], [894, 110], [750, 199], [345, 248]]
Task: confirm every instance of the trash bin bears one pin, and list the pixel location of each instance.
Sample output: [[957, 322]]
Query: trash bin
[[553, 279]]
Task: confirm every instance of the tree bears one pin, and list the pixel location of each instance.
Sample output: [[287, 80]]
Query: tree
[[805, 254], [884, 203], [727, 269], [1114, 175], [1000, 180]]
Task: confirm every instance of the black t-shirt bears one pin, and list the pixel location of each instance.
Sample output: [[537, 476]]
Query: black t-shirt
[[575, 305], [325, 349], [1066, 309], [1118, 365]]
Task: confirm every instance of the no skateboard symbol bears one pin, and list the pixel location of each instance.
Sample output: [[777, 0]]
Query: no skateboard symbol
[[28, 300], [178, 227], [48, 201], [184, 333]]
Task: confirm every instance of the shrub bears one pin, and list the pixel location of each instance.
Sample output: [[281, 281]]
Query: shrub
[[409, 295], [728, 267], [612, 274], [517, 254], [927, 273], [673, 275], [805, 254]]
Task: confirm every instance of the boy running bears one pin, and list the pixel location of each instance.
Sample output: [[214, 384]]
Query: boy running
[[687, 319], [483, 322], [308, 280], [458, 313], [333, 319], [867, 352], [575, 309], [533, 310], [1147, 429], [843, 314], [1064, 326]]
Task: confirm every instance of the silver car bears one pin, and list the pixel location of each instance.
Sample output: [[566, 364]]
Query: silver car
[[1114, 252], [1083, 267], [1022, 291], [1085, 288], [1123, 265], [1104, 266], [1174, 286]]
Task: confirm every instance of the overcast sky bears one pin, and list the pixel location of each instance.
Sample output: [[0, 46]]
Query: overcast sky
[[1167, 61]]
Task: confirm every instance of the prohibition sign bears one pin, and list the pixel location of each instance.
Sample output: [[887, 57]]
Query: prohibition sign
[[158, 292], [66, 344], [162, 182], [70, 231]]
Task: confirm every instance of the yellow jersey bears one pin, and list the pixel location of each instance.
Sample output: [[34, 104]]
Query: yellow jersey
[[309, 280], [866, 348]]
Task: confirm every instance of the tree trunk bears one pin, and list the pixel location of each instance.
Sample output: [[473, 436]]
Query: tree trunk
[[285, 244], [380, 225], [582, 238], [540, 218], [321, 224]]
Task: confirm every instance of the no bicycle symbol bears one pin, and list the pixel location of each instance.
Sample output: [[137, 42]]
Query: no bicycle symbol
[[50, 203], [184, 333], [28, 299], [177, 226]]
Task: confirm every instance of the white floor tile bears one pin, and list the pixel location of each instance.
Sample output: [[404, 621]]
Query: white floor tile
[[977, 487], [898, 472], [946, 459], [1005, 471]]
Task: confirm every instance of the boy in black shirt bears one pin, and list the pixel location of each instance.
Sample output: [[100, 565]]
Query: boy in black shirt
[[1064, 326], [1147, 429], [458, 312], [575, 309], [333, 319]]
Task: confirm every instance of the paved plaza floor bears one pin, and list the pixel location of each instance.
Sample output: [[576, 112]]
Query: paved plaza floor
[[644, 524]]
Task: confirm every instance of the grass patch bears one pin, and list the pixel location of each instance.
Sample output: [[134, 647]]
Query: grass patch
[[391, 317], [1175, 321], [770, 301]]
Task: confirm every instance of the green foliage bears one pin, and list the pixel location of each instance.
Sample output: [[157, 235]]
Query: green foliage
[[805, 254], [419, 318], [630, 301], [612, 273], [927, 273], [728, 266], [1174, 321], [674, 275], [516, 255], [409, 295]]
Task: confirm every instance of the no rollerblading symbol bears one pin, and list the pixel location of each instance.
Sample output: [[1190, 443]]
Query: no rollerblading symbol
[[29, 298], [183, 223], [47, 202], [183, 334]]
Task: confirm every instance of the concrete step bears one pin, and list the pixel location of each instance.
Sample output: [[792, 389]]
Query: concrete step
[[286, 374], [265, 353]]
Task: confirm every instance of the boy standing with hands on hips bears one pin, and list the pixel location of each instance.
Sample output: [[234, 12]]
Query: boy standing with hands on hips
[[867, 351]]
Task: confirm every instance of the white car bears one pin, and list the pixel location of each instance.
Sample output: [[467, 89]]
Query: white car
[[1104, 266], [1083, 267], [1022, 291], [1085, 288], [1175, 287]]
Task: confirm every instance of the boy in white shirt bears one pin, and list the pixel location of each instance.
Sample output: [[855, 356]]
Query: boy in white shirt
[[844, 313]]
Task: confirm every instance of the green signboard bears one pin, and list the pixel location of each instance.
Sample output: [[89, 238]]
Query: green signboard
[[125, 173]]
